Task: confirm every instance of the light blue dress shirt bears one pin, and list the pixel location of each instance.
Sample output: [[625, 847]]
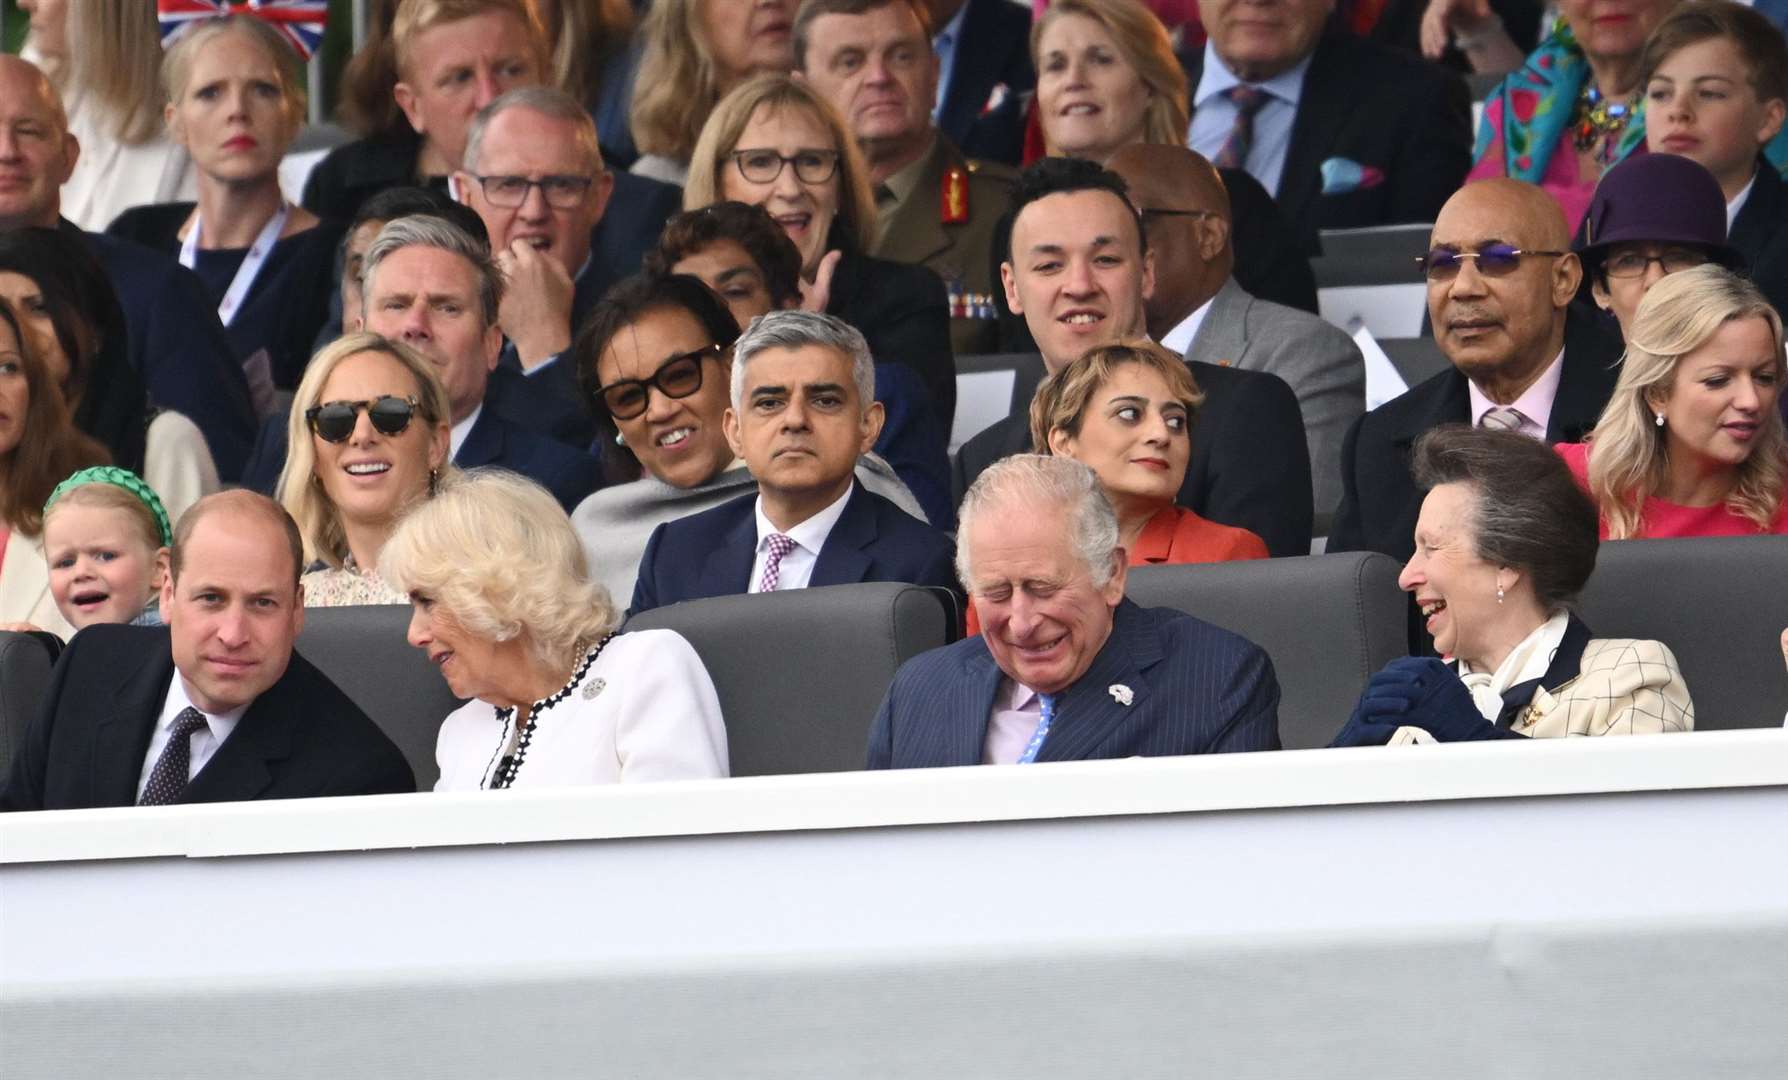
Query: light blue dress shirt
[[944, 45], [1213, 117]]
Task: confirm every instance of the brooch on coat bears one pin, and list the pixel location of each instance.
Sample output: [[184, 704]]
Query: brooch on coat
[[593, 687]]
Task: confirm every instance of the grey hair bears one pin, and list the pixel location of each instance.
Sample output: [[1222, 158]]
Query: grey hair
[[798, 329], [426, 230], [1035, 484], [548, 101]]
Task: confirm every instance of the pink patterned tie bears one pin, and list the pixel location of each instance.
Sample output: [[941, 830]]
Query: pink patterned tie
[[780, 545], [1247, 101]]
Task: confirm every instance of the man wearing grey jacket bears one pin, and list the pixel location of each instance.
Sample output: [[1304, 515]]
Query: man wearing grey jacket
[[1198, 309]]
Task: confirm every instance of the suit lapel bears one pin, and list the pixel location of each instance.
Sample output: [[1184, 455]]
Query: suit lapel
[[1091, 721], [1565, 665], [1759, 217], [1449, 403], [239, 769], [913, 232], [121, 738], [1223, 336], [841, 559], [974, 701], [484, 443], [727, 570], [1584, 386]]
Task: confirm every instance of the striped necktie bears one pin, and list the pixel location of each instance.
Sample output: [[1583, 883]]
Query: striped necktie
[[1247, 101], [1502, 418]]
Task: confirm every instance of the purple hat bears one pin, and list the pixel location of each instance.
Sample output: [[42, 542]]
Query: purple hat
[[1656, 198]]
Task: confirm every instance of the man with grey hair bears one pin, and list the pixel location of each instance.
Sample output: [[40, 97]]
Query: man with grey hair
[[1065, 668], [432, 286], [803, 411]]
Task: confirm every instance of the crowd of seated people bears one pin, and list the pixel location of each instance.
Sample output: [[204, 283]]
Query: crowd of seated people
[[498, 377]]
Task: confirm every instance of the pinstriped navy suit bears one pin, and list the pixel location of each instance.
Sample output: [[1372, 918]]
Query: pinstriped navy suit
[[1196, 689]]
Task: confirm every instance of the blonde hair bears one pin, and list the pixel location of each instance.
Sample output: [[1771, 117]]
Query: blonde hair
[[1629, 459], [299, 489], [1147, 48], [496, 551], [590, 34], [416, 16], [1061, 400], [177, 62], [677, 85], [114, 54], [720, 137], [100, 495]]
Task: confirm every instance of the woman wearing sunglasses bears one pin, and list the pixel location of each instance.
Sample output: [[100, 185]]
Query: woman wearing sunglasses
[[655, 356], [368, 439]]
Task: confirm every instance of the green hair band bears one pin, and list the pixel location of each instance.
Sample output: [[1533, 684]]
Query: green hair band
[[124, 478]]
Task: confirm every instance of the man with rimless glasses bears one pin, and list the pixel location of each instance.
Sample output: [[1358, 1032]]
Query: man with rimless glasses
[[1500, 284]]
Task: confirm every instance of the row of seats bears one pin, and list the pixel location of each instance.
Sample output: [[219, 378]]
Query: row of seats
[[800, 674]]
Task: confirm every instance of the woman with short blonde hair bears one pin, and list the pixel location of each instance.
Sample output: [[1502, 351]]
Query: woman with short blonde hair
[[1691, 442], [502, 601], [1159, 114]]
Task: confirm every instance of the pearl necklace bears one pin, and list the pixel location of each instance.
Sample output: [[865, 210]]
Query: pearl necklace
[[512, 764]]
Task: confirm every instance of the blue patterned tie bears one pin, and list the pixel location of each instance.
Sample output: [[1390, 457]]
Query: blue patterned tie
[[167, 781], [1036, 744], [1247, 101]]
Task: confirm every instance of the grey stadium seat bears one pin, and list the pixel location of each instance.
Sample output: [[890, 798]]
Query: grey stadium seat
[[25, 663], [363, 651], [801, 673], [1720, 603], [1327, 621]]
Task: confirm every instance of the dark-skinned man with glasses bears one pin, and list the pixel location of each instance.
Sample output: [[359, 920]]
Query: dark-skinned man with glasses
[[1500, 284], [1200, 311], [432, 286]]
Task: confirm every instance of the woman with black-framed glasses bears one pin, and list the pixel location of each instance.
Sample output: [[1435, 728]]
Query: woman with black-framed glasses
[[368, 439]]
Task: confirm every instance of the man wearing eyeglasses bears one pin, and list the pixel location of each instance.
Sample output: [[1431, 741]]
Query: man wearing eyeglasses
[[1500, 284], [1199, 310], [534, 174]]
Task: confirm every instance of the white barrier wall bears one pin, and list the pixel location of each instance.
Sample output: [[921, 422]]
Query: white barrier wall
[[1581, 908]]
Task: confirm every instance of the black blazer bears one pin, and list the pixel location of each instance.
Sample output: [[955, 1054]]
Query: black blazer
[[289, 302], [1194, 689], [995, 48], [1379, 499], [710, 553], [494, 440], [1250, 465], [904, 314], [1760, 233], [1376, 106], [85, 748]]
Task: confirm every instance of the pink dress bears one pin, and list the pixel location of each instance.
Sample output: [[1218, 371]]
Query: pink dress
[[1664, 519]]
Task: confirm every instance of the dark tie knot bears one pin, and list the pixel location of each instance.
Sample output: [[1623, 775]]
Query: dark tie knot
[[188, 722], [1247, 99]]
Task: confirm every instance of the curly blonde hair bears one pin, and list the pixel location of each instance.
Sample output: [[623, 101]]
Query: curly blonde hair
[[1629, 461], [298, 490], [1061, 399], [720, 137], [496, 551], [1147, 48]]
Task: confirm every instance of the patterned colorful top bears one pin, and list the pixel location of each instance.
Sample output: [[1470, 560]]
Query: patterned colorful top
[[347, 587]]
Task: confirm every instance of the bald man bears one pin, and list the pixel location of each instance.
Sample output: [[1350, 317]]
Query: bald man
[[1500, 281], [1199, 310]]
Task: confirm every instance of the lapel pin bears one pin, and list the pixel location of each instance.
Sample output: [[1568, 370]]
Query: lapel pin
[[1120, 693], [593, 687]]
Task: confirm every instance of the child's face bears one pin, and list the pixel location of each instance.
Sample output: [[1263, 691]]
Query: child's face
[[101, 571], [1700, 104]]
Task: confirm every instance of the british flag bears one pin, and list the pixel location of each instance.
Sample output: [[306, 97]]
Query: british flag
[[298, 21]]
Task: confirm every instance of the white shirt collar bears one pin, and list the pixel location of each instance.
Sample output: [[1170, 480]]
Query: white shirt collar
[[811, 534], [456, 438], [1287, 86], [178, 701], [1738, 202], [1179, 339], [1529, 659], [1535, 403]]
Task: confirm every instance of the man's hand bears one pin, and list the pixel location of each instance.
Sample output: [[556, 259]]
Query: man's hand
[[536, 309]]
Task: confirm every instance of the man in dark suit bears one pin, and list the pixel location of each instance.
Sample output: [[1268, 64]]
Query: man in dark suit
[[1079, 272], [175, 340], [1518, 361], [215, 707], [1344, 132], [803, 411], [1066, 669], [985, 78]]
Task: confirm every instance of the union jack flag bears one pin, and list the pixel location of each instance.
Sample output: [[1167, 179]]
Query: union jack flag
[[298, 21]]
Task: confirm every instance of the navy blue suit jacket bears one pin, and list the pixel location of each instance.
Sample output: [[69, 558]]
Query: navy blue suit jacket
[[179, 348], [1196, 689], [995, 48], [710, 553], [569, 474]]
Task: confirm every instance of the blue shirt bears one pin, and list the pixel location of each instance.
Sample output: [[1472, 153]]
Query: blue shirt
[[1213, 117], [944, 45]]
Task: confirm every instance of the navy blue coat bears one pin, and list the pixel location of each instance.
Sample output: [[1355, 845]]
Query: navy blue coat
[[1195, 689], [995, 49], [710, 553]]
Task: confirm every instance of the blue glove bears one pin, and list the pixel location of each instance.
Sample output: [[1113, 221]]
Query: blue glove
[[1358, 732], [1440, 705]]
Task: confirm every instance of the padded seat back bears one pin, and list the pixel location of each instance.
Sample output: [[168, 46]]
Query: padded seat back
[[1720, 603], [363, 650], [801, 673], [25, 663], [1327, 621]]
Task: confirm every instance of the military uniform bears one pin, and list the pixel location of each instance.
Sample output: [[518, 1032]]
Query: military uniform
[[941, 212]]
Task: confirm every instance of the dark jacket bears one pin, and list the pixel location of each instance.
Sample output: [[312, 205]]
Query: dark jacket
[[85, 748], [994, 51], [1760, 233], [904, 314]]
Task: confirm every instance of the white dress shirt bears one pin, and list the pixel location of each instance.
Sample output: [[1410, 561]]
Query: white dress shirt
[[1179, 339], [204, 742], [456, 436], [1534, 405], [1017, 710], [1738, 203], [1213, 117], [796, 568]]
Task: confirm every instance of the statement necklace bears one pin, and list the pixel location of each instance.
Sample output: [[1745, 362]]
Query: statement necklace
[[509, 766], [1597, 122]]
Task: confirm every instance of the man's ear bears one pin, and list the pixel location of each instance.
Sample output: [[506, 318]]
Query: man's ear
[[71, 156], [405, 96], [1148, 276], [1009, 279], [1213, 237], [871, 429], [1774, 111], [1567, 274], [729, 423], [462, 186], [1113, 592], [493, 345]]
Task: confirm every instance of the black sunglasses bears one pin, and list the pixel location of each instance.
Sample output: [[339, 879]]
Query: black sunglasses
[[334, 421], [677, 377], [1494, 260]]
